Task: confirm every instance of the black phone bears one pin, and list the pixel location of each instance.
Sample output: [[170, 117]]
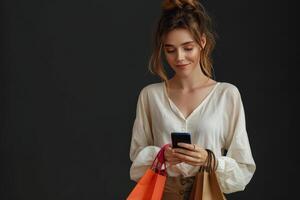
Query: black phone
[[180, 137]]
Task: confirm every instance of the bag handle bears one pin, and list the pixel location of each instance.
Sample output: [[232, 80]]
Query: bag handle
[[159, 163], [211, 158]]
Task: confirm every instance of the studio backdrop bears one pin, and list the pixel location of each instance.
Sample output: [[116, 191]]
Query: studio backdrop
[[70, 76]]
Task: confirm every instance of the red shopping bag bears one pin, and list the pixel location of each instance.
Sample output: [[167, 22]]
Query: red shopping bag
[[151, 185]]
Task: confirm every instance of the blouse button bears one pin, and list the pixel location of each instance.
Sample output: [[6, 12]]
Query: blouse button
[[183, 182], [181, 192]]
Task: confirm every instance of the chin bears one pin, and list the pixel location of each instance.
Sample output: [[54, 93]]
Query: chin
[[184, 74]]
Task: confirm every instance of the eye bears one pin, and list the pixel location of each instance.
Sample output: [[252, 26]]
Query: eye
[[170, 50], [188, 49]]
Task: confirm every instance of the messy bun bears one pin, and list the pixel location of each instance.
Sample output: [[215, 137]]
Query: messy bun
[[190, 15], [171, 4]]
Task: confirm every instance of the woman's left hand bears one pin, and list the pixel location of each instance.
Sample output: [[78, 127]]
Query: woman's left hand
[[191, 154]]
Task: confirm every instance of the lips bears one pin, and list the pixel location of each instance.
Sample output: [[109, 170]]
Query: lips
[[182, 65]]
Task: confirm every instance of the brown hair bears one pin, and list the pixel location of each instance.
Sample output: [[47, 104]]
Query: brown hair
[[190, 15]]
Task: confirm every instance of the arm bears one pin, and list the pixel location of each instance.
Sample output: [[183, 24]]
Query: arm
[[236, 169], [142, 150]]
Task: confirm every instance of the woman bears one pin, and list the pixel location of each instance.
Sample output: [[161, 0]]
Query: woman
[[190, 101]]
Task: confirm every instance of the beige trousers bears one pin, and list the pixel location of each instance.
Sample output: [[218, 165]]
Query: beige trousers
[[178, 188]]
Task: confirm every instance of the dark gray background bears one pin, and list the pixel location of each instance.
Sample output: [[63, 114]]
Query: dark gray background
[[71, 72]]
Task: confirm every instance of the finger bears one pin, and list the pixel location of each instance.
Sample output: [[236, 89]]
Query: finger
[[187, 152], [187, 158], [174, 159], [187, 146], [170, 156], [168, 149], [194, 163]]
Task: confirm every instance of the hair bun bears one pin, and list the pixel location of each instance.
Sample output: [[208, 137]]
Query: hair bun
[[171, 4]]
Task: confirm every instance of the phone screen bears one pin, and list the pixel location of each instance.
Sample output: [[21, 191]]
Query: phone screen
[[178, 137]]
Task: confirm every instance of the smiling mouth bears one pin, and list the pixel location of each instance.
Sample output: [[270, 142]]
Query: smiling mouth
[[182, 65]]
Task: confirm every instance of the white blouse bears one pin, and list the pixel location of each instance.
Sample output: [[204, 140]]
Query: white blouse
[[218, 124]]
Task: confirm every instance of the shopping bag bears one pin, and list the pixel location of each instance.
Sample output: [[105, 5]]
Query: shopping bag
[[206, 186], [151, 185]]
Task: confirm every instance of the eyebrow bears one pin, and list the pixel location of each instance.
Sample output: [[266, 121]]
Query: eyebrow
[[170, 45]]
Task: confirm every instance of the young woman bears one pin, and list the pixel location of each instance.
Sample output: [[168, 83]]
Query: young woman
[[190, 101]]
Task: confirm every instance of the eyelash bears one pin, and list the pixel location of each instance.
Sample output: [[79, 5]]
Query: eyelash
[[188, 49]]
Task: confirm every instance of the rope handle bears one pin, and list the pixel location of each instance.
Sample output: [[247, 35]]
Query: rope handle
[[211, 158], [159, 163]]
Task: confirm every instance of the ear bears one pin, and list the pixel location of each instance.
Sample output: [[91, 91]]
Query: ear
[[203, 40]]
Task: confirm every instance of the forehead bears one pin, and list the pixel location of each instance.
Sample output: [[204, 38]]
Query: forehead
[[177, 37]]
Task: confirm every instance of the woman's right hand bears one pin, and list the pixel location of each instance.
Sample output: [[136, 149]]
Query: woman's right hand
[[170, 157]]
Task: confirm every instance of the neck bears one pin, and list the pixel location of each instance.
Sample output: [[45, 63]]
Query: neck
[[196, 79]]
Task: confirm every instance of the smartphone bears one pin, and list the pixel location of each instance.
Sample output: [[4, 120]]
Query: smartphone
[[178, 137]]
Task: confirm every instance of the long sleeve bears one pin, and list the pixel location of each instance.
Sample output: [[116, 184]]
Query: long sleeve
[[236, 169], [142, 151]]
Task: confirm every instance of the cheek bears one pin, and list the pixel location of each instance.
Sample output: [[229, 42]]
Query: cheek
[[170, 58], [194, 56]]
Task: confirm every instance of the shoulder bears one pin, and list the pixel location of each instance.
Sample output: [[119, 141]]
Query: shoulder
[[228, 90], [152, 92], [152, 89]]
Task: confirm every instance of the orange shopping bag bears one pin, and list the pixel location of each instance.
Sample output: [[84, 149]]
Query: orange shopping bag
[[151, 185]]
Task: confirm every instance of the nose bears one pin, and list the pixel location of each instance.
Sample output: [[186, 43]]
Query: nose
[[180, 55]]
